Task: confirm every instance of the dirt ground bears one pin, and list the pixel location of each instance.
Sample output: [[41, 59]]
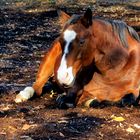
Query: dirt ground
[[26, 32]]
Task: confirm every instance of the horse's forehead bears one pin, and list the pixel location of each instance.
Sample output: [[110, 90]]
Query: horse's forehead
[[69, 35]]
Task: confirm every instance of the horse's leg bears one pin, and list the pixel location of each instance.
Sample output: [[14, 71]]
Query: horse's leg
[[87, 100], [128, 100], [68, 100], [46, 69]]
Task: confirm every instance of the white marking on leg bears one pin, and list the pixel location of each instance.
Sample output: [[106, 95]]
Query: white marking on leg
[[64, 73], [24, 95]]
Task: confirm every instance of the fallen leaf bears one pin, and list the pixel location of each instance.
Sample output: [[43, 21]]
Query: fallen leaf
[[130, 130], [118, 119], [137, 126], [39, 107], [121, 125], [12, 129], [63, 121], [84, 110], [53, 94], [3, 133], [27, 126], [5, 108], [101, 134], [61, 134], [26, 137]]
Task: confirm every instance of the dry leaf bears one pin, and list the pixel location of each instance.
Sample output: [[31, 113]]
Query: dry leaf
[[12, 129], [137, 126], [26, 126], [2, 133], [63, 121], [53, 94], [61, 134], [130, 130], [84, 110], [5, 107], [118, 119], [26, 137]]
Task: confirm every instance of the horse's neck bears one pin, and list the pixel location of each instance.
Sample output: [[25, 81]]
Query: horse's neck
[[104, 37], [109, 52]]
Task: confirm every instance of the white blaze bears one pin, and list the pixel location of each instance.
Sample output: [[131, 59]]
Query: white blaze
[[64, 73]]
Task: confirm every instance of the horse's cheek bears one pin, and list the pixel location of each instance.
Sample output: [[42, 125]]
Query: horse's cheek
[[76, 67]]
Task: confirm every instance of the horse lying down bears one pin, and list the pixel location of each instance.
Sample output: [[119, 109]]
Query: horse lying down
[[93, 60]]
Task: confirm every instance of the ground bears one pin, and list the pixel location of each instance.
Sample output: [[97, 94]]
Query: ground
[[26, 32]]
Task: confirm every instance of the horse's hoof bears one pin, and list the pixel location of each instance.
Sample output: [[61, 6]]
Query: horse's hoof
[[95, 103], [61, 102], [70, 105], [92, 103], [128, 100]]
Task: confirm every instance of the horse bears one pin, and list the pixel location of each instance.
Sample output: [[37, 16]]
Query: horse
[[93, 59]]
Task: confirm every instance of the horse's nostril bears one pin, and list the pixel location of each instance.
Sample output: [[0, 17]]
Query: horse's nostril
[[65, 76], [65, 85]]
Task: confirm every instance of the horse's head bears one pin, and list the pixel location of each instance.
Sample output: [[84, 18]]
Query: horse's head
[[75, 40]]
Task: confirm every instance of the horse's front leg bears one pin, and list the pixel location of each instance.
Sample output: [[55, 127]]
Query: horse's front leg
[[69, 99], [46, 69], [87, 100], [66, 100]]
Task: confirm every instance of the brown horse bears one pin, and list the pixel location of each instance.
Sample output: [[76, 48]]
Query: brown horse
[[93, 59]]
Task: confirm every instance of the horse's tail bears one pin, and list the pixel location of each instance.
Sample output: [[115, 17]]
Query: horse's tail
[[25, 94]]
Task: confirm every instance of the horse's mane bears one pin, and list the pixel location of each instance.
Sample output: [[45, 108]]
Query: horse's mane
[[120, 28], [74, 18]]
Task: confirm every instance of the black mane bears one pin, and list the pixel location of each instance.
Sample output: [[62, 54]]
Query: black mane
[[120, 27], [74, 18]]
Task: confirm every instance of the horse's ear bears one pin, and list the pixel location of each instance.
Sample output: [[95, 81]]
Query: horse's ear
[[87, 18], [63, 17]]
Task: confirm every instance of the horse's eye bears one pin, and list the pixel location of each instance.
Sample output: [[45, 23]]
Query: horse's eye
[[82, 41]]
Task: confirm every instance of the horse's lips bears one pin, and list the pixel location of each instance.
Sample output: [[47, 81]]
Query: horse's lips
[[65, 82], [70, 85], [65, 76]]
